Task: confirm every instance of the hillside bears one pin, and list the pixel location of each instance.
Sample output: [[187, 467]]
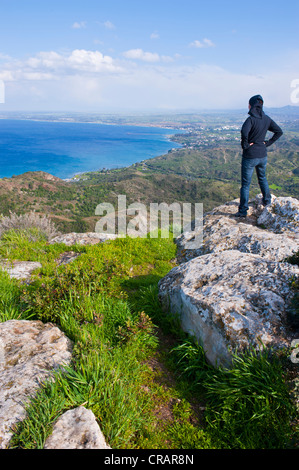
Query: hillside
[[207, 173]]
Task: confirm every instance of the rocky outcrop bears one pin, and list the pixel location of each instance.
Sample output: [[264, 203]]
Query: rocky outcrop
[[222, 231], [88, 238], [281, 216], [76, 429], [233, 292], [29, 353]]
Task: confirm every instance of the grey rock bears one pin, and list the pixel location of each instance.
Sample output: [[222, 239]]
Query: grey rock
[[67, 257], [76, 429], [88, 238], [19, 269], [281, 216], [222, 231], [29, 353], [230, 301]]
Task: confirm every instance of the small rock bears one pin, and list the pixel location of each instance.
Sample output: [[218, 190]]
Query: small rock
[[67, 257], [76, 429], [19, 269], [88, 238]]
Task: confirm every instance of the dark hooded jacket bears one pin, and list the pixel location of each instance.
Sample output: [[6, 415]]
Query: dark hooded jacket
[[255, 128]]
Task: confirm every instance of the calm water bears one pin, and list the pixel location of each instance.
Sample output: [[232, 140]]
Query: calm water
[[64, 149]]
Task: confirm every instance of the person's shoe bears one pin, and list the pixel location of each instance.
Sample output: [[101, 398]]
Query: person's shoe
[[268, 203], [240, 215]]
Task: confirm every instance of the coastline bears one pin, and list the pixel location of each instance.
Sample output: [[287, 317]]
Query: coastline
[[169, 138], [133, 122]]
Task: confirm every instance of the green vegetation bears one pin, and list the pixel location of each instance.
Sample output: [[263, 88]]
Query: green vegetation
[[206, 169], [147, 383]]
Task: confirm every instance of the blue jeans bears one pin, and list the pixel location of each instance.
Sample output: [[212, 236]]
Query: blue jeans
[[248, 165]]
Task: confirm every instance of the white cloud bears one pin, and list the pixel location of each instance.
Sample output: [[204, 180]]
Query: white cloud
[[53, 66], [7, 76], [80, 25], [45, 60], [83, 79], [139, 54], [91, 61], [4, 56], [109, 25], [198, 87], [155, 35], [35, 76], [204, 43]]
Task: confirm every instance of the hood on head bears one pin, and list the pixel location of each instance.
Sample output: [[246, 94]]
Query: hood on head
[[256, 102]]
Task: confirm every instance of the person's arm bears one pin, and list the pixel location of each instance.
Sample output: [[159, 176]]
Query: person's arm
[[277, 132], [244, 134]]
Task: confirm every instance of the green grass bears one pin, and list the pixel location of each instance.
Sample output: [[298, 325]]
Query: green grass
[[249, 405], [10, 299], [275, 187], [106, 302]]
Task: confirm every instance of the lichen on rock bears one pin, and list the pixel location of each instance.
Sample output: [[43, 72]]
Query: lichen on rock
[[234, 292], [76, 429], [29, 352]]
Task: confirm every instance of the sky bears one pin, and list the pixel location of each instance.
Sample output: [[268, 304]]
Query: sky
[[120, 56]]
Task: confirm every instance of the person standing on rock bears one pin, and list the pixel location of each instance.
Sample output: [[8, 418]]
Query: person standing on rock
[[254, 145]]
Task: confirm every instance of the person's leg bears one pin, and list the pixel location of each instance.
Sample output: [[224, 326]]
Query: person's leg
[[261, 176], [248, 165]]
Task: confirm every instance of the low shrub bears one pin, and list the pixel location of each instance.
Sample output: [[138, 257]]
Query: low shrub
[[28, 221]]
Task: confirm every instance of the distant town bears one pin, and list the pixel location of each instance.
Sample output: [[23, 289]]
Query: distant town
[[198, 130]]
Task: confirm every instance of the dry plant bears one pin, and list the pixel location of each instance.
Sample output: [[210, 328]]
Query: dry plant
[[28, 221]]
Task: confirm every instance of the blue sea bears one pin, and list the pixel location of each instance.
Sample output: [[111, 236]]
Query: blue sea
[[65, 149]]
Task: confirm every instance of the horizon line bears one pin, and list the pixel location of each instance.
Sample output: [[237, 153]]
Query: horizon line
[[146, 111]]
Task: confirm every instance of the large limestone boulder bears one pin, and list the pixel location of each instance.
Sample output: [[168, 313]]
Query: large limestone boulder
[[271, 232], [231, 300], [29, 353], [76, 429], [233, 290]]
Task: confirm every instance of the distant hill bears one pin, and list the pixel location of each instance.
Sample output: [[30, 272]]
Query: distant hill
[[72, 205], [285, 110]]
